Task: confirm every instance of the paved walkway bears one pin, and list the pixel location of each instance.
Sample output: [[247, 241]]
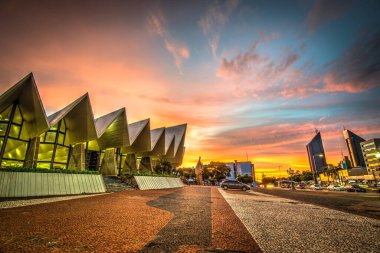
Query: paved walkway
[[190, 219], [283, 225]]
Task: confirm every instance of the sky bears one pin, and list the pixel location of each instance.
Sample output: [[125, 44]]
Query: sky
[[252, 79]]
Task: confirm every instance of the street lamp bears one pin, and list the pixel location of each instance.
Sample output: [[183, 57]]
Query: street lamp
[[315, 167]]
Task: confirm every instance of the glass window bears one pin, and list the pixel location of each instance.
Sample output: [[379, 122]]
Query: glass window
[[6, 163], [58, 166], [3, 128], [5, 115], [15, 149], [1, 141], [61, 154], [15, 130], [50, 137], [17, 117], [45, 152], [43, 165], [62, 128], [54, 128], [24, 133], [61, 138]]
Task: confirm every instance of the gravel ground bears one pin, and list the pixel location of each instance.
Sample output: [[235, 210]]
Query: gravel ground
[[366, 204], [36, 201], [283, 225]]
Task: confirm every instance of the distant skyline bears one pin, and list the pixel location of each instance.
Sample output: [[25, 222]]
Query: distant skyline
[[249, 77]]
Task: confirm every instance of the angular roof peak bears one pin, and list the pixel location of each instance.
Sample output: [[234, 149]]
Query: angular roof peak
[[178, 132], [136, 128], [79, 120], [26, 95], [103, 122]]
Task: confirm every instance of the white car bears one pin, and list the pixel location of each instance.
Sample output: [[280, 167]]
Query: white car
[[316, 187], [332, 187]]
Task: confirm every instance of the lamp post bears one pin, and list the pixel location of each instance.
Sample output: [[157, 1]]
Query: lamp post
[[315, 167]]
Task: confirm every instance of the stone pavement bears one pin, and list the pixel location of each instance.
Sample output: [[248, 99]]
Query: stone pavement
[[190, 219], [283, 225]]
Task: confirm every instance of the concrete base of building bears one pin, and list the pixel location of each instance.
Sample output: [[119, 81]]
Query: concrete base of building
[[150, 183], [30, 184]]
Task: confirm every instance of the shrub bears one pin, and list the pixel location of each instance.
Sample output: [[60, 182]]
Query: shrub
[[43, 170]]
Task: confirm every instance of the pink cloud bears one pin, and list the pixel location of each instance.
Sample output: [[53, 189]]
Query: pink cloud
[[216, 17], [178, 50]]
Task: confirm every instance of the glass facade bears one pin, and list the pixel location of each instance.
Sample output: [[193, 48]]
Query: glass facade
[[244, 168], [14, 139], [316, 154], [354, 149], [53, 152]]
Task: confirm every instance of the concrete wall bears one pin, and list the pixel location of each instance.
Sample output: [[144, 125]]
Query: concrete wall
[[149, 183], [28, 184]]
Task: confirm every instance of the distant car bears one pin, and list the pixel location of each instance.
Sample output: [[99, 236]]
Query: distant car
[[233, 184], [300, 186], [333, 187], [354, 188], [316, 187]]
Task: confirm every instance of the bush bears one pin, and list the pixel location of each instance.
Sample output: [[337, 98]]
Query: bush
[[43, 170]]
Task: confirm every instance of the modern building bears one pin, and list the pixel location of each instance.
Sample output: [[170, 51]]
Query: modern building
[[371, 153], [72, 139], [241, 169], [316, 154], [354, 149], [232, 171]]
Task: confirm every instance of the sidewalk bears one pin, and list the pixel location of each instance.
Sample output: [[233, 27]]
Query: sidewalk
[[284, 225]]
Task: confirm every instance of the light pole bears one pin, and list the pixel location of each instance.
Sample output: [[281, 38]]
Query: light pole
[[315, 167]]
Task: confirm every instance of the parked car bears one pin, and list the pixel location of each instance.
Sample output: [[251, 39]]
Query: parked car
[[233, 184], [300, 186], [354, 188], [316, 187], [333, 187]]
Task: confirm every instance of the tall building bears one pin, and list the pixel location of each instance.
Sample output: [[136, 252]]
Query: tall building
[[353, 145], [371, 152], [316, 154]]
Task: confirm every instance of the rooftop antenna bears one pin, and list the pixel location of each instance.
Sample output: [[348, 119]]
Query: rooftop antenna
[[246, 153]]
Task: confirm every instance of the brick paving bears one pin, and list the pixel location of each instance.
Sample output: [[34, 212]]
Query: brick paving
[[190, 219]]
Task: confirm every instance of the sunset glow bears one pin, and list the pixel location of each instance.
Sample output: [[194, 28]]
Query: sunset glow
[[252, 79]]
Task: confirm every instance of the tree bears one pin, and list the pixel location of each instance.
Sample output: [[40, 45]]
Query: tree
[[216, 171], [268, 180], [246, 179], [306, 176], [163, 167]]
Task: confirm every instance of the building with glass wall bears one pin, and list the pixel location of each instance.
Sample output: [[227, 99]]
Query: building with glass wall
[[316, 154], [371, 153], [72, 139], [354, 149]]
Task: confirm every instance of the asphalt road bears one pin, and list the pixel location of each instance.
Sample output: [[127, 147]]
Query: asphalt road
[[364, 204]]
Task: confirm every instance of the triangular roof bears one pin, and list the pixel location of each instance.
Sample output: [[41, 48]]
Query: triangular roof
[[155, 135], [112, 129], [79, 120], [26, 94], [179, 133], [139, 137], [135, 129], [169, 142]]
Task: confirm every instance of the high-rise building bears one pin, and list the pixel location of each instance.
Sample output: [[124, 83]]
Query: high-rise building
[[316, 154], [371, 153], [353, 145]]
